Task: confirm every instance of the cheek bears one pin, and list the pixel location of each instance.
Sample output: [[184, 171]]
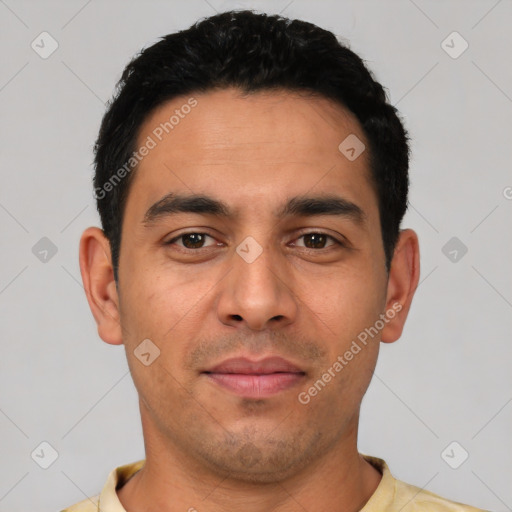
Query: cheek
[[157, 306], [348, 302], [158, 300], [345, 374], [165, 306], [335, 392], [350, 307]]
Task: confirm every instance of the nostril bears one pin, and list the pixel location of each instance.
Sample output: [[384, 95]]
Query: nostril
[[237, 317]]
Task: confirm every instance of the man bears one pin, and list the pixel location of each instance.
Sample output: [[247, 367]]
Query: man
[[251, 179]]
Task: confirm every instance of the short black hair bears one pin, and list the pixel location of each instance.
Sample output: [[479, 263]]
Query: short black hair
[[252, 52]]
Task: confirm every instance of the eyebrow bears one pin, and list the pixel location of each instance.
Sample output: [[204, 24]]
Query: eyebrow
[[300, 206]]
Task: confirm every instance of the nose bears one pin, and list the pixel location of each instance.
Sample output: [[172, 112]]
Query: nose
[[258, 294]]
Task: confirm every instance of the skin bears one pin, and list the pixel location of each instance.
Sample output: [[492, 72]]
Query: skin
[[206, 447]]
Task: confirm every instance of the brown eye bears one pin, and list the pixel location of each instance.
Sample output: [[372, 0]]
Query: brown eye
[[317, 240], [191, 240]]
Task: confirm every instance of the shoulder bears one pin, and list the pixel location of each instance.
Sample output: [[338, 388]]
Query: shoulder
[[87, 505], [108, 496], [415, 499], [393, 494]]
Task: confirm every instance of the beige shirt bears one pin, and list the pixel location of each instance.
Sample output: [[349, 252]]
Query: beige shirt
[[390, 495]]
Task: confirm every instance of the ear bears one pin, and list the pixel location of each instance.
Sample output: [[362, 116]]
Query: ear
[[402, 283], [99, 284]]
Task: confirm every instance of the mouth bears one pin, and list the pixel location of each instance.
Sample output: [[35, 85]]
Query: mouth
[[255, 379]]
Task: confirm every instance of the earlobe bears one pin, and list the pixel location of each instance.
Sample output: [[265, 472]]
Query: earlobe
[[99, 284], [402, 283]]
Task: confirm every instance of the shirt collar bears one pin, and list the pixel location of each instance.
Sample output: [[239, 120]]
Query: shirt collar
[[109, 501]]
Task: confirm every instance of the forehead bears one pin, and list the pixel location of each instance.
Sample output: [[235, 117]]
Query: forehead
[[251, 150]]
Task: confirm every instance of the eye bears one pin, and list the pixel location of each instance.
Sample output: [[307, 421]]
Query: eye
[[314, 241], [191, 240], [317, 240]]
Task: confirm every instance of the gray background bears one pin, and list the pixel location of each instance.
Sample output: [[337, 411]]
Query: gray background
[[448, 378]]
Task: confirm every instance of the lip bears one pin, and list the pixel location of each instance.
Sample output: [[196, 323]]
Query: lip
[[247, 366], [255, 379]]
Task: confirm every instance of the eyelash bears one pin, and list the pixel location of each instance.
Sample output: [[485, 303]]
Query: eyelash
[[188, 250]]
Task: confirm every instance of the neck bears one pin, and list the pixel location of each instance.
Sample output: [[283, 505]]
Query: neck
[[172, 481]]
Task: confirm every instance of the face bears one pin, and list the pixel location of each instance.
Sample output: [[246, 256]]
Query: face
[[251, 271]]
